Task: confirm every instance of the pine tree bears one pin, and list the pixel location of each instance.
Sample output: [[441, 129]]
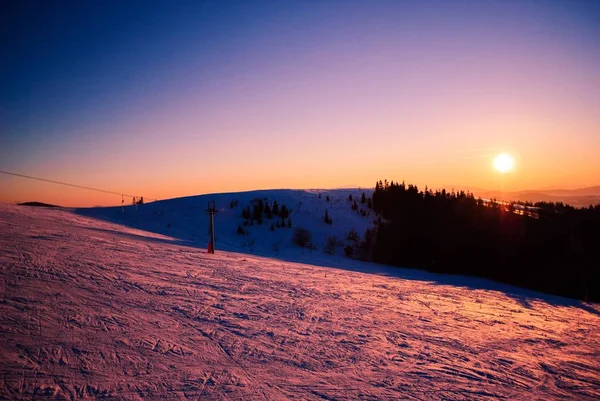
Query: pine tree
[[349, 251], [363, 198], [327, 219], [268, 212], [246, 213], [284, 212], [289, 223], [275, 209], [261, 206], [256, 213], [272, 227]]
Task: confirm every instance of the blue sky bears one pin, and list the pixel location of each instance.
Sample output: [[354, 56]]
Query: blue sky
[[130, 94]]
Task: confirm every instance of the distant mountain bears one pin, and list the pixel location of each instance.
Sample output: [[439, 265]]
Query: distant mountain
[[38, 204], [588, 191], [582, 197]]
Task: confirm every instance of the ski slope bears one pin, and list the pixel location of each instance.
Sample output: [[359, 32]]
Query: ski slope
[[94, 309], [186, 220]]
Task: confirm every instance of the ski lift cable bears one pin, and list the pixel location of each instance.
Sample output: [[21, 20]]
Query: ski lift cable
[[68, 184]]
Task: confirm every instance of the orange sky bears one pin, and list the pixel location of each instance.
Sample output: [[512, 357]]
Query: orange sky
[[195, 99]]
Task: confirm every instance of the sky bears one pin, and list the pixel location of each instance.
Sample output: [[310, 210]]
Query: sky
[[167, 99]]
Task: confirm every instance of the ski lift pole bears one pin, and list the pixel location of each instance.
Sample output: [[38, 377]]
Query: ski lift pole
[[212, 210]]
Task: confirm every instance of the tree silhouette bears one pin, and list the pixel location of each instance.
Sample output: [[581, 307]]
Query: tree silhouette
[[327, 219], [550, 247], [246, 213], [257, 212]]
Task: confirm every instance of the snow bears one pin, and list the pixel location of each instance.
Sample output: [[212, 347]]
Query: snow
[[185, 219], [92, 308]]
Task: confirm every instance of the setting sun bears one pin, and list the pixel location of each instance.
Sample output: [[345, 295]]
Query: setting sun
[[504, 162]]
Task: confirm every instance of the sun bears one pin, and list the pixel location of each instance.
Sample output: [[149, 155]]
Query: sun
[[504, 162]]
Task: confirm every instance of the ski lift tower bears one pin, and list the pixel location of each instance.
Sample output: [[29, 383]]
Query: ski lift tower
[[212, 210]]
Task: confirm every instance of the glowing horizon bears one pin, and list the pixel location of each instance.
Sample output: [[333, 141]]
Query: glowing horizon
[[182, 99]]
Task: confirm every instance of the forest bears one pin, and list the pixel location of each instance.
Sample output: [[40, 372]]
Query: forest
[[550, 247]]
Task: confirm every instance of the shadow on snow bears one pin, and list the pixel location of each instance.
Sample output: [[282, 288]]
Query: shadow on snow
[[522, 296]]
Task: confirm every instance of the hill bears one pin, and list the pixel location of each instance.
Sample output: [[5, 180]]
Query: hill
[[185, 219], [440, 232], [92, 309], [37, 204]]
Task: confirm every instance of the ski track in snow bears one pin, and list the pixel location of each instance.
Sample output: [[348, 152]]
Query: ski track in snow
[[93, 309]]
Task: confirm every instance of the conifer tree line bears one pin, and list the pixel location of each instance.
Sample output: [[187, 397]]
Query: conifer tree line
[[259, 209], [555, 250], [364, 200]]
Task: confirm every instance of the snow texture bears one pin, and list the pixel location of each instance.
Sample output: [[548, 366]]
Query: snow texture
[[186, 220], [94, 309]]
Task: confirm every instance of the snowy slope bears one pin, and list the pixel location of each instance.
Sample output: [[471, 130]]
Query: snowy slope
[[93, 309], [185, 219]]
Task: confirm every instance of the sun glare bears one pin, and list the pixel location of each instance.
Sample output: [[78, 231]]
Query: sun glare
[[504, 162]]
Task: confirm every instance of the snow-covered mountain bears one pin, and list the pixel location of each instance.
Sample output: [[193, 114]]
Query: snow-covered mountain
[[92, 309], [186, 219]]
